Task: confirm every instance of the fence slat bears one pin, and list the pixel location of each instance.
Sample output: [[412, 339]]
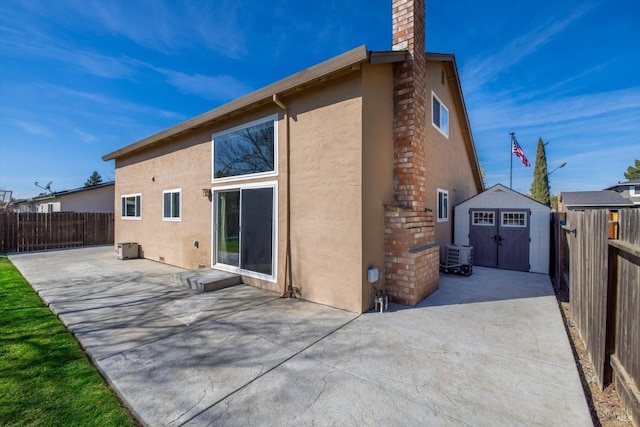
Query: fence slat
[[604, 295], [25, 232]]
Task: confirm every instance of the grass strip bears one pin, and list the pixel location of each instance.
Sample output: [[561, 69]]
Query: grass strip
[[46, 378]]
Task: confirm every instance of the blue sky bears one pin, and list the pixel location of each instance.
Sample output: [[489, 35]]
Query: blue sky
[[79, 79]]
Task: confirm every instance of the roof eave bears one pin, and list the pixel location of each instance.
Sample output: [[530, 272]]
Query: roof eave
[[315, 73]]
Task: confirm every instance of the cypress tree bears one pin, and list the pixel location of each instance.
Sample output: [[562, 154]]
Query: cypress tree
[[540, 185]]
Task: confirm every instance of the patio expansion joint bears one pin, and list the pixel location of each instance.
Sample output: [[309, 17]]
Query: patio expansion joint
[[296, 353]]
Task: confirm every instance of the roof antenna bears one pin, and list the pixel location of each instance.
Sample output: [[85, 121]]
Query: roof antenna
[[46, 187]]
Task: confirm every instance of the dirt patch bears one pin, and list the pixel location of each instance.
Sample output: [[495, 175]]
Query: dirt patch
[[606, 407]]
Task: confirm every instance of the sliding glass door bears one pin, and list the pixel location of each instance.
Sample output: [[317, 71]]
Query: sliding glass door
[[245, 229]]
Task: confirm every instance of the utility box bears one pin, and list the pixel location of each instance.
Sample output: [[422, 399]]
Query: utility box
[[127, 250]]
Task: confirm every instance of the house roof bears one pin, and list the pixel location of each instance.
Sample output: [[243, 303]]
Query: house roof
[[65, 192], [324, 71], [630, 183], [319, 73], [602, 198]]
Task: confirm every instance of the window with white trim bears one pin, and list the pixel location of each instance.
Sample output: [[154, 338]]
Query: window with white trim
[[171, 205], [483, 218], [131, 206], [246, 151], [443, 205], [634, 190], [439, 115], [514, 219]]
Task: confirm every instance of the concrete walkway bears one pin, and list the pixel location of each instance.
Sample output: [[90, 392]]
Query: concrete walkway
[[489, 349]]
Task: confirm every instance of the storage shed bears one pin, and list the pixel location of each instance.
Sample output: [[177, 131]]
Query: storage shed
[[507, 230]]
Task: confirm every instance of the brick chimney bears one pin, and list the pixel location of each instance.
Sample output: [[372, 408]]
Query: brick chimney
[[411, 256]]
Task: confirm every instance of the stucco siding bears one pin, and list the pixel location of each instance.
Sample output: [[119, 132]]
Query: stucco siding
[[183, 165], [326, 194], [95, 200], [447, 163], [377, 170]]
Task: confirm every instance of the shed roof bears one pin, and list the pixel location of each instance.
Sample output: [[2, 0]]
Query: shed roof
[[503, 189]]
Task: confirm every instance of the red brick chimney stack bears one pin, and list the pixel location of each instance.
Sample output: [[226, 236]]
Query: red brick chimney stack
[[410, 103], [411, 256]]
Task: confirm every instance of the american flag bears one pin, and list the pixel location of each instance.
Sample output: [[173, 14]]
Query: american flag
[[517, 150]]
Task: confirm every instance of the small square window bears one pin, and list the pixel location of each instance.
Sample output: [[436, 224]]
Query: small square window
[[483, 218], [439, 115], [514, 219], [171, 206], [443, 205], [131, 206]]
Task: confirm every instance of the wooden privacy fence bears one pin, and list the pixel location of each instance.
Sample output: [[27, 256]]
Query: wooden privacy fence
[[604, 294], [25, 232]]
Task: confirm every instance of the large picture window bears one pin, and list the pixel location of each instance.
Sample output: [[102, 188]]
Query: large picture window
[[443, 205], [439, 115], [131, 206], [246, 150], [171, 206]]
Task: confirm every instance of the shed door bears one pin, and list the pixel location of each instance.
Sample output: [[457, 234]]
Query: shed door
[[513, 245], [500, 238], [483, 230]]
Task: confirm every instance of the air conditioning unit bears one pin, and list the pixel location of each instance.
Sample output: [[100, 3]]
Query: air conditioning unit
[[127, 250], [458, 259]]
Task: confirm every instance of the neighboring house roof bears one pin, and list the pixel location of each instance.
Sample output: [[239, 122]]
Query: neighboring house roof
[[630, 183], [56, 194], [312, 76], [584, 199]]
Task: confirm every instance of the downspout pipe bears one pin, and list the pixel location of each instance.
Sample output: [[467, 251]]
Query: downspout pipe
[[288, 290]]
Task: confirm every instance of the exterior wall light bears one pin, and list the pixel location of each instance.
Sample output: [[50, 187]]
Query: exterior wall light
[[206, 192]]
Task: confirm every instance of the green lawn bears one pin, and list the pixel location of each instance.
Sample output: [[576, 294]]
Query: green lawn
[[45, 377]]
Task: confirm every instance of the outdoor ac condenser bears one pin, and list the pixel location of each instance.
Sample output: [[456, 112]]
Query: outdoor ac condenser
[[127, 250], [458, 259]]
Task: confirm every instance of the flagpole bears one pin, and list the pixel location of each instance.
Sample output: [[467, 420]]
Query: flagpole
[[511, 159]]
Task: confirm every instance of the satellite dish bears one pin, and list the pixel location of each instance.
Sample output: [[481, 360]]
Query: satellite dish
[[46, 187]]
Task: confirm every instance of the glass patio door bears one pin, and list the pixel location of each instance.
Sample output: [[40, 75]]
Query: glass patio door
[[244, 229]]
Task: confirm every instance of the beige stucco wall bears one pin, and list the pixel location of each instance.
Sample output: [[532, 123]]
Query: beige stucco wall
[[377, 170], [341, 175], [448, 166], [326, 193], [185, 165], [326, 133]]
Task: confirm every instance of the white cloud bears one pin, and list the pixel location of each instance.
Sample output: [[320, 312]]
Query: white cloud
[[487, 68], [34, 128], [220, 87]]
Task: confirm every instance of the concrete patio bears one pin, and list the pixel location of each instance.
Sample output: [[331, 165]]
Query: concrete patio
[[489, 349]]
